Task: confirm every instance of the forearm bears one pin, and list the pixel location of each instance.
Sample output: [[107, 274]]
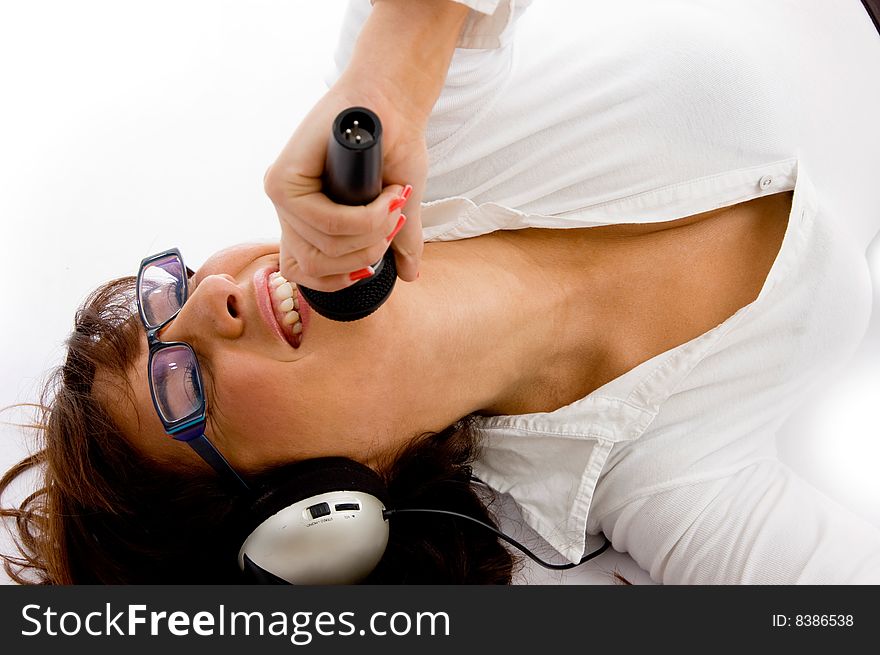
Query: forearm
[[404, 50]]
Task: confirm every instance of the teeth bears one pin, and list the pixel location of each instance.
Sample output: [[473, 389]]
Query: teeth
[[284, 291], [286, 302]]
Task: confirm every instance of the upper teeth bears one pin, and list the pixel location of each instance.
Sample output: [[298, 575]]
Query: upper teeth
[[285, 301]]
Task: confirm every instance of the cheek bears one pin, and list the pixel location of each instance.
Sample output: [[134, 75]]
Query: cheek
[[264, 416], [270, 413], [249, 391]]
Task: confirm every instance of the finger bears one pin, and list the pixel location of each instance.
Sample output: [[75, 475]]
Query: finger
[[336, 246], [290, 268], [331, 219], [291, 271], [284, 184], [311, 264], [409, 244]]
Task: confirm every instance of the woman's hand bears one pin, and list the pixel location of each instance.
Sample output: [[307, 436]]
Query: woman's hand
[[326, 246], [397, 70]]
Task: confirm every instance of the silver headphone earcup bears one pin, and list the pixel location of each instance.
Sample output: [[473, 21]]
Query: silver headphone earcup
[[318, 521], [331, 538]]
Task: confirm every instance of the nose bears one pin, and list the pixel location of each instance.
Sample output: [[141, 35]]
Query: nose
[[213, 310]]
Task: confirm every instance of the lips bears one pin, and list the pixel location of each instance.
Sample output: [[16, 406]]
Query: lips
[[267, 311]]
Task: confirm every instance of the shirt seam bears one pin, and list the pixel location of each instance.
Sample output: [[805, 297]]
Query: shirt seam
[[473, 208], [642, 411], [699, 180]]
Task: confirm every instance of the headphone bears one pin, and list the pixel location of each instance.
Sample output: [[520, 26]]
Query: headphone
[[328, 523]]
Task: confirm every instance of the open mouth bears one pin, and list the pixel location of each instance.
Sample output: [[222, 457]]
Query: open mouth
[[282, 306], [286, 304]]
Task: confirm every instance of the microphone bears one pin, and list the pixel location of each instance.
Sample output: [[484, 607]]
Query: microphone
[[353, 176]]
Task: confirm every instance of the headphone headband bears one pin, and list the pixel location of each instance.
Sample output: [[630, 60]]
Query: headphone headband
[[311, 477]]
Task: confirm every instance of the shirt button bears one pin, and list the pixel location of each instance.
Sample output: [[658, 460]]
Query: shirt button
[[765, 182]]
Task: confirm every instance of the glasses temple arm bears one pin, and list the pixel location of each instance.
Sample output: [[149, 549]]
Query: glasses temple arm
[[212, 456]]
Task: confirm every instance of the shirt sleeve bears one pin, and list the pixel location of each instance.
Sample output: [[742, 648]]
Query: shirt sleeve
[[489, 24], [763, 524]]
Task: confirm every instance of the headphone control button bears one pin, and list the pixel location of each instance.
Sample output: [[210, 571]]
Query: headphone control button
[[343, 507], [319, 510]]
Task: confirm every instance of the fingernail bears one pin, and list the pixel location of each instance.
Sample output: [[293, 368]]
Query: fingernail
[[400, 222], [361, 274], [397, 203]]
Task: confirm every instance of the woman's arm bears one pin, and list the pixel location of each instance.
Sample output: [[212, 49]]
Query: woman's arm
[[404, 49], [397, 69]]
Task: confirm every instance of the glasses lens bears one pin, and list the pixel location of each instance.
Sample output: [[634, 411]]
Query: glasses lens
[[177, 382], [162, 290]]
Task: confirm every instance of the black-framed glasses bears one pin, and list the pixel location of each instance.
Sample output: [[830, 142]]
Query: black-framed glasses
[[175, 377]]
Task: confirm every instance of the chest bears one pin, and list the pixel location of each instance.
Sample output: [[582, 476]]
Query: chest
[[635, 291]]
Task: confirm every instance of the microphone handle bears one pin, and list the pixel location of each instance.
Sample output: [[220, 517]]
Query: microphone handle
[[353, 167], [353, 176]]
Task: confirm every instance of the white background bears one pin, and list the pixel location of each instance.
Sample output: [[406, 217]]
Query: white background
[[127, 128]]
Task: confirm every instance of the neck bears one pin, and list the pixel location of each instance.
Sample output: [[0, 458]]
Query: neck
[[499, 325]]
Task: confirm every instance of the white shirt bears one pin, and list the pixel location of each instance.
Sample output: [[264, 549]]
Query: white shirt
[[639, 111]]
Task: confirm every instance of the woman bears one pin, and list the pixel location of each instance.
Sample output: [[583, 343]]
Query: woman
[[624, 375]]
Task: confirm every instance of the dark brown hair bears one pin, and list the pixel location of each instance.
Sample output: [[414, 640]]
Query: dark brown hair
[[106, 514]]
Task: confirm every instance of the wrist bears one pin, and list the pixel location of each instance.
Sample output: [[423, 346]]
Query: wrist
[[403, 52]]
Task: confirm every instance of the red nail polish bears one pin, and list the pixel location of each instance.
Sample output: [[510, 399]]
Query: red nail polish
[[407, 190], [397, 203], [361, 274], [400, 222]]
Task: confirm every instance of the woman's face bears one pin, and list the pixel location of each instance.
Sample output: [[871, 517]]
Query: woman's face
[[268, 402]]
